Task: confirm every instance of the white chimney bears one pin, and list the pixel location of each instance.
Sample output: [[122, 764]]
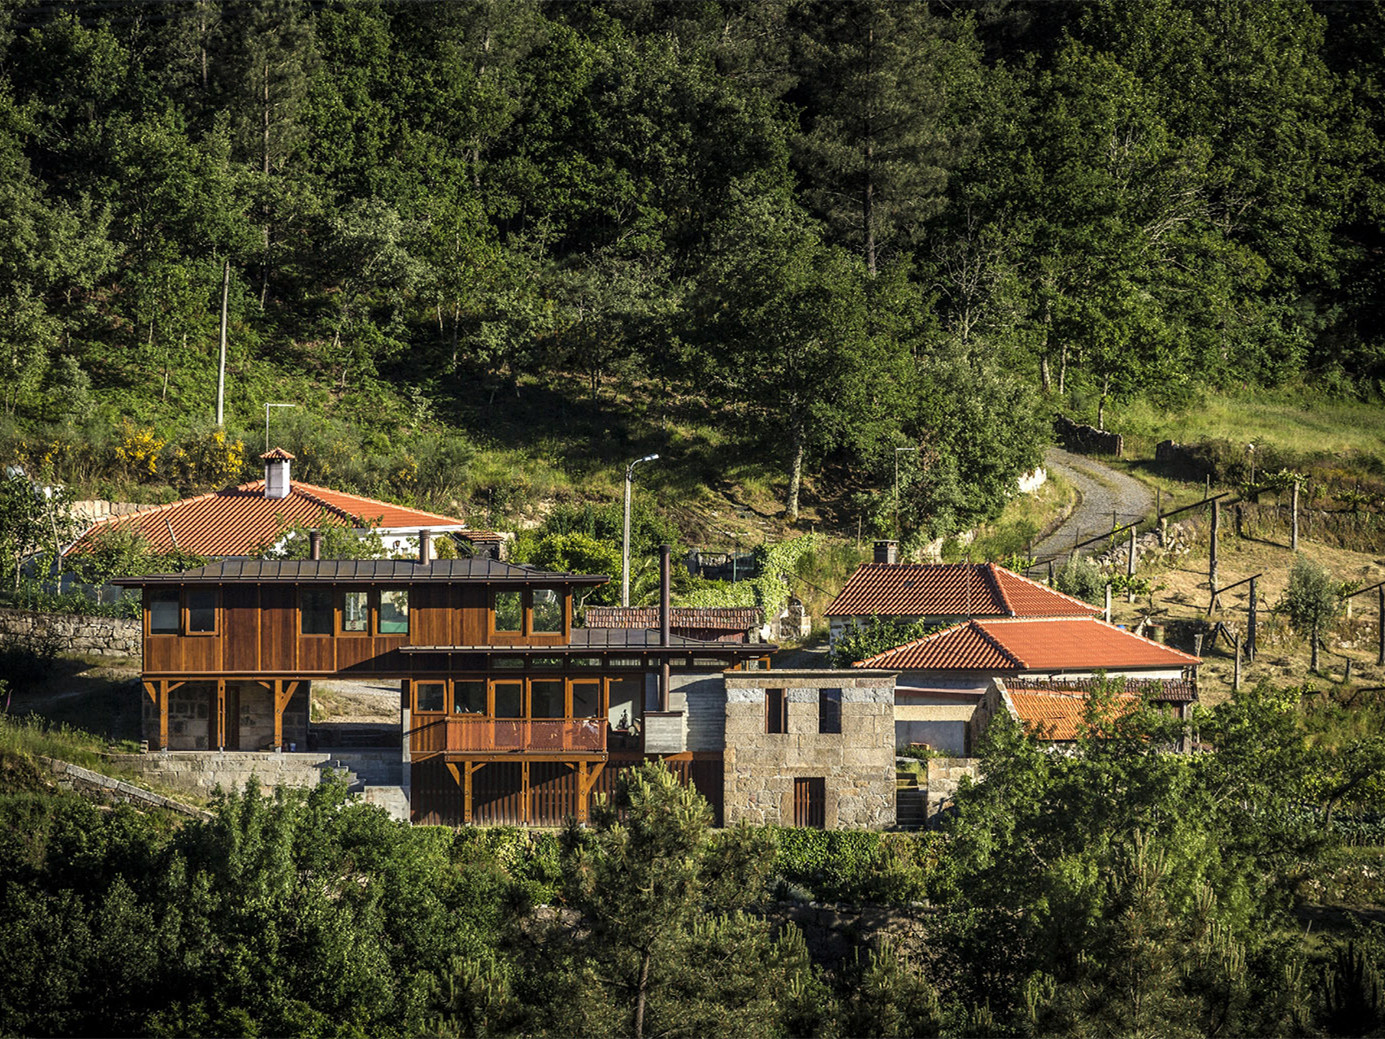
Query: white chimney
[[277, 483]]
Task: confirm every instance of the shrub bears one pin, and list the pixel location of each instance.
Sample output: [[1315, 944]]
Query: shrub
[[1082, 578]]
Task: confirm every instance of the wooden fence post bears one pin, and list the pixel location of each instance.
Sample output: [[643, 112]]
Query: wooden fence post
[[1050, 573], [1293, 532], [1130, 569], [1251, 627], [1108, 602], [1212, 546], [1236, 671], [1163, 532], [1380, 635]]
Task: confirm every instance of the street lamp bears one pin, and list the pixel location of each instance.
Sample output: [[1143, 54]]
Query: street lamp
[[625, 548], [896, 485], [266, 420]]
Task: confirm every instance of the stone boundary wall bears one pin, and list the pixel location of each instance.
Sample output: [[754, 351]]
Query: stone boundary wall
[[944, 777], [101, 636], [83, 779], [1087, 440], [202, 772]]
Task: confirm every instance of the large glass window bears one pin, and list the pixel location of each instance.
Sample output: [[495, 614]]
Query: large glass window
[[163, 613], [355, 611], [315, 611], [548, 612], [509, 699], [509, 611], [469, 697], [546, 698], [586, 699], [829, 710], [394, 611], [428, 696], [201, 611]]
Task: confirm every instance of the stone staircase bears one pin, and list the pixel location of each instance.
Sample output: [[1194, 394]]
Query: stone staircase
[[911, 801]]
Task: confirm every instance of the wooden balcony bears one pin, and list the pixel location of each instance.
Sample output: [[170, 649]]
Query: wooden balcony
[[477, 735]]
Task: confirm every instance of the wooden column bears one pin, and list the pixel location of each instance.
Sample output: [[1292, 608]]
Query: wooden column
[[582, 792], [524, 792], [1293, 530], [1252, 625], [163, 714], [1107, 614], [221, 714], [282, 693]]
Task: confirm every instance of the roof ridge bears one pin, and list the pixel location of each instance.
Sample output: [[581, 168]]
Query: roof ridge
[[989, 569], [997, 645], [1043, 587], [452, 520], [299, 487], [908, 645]]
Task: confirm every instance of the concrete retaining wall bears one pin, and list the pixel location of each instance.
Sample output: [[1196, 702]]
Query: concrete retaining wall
[[102, 636], [75, 777]]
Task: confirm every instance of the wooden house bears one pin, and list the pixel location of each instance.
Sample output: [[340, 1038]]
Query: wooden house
[[510, 712]]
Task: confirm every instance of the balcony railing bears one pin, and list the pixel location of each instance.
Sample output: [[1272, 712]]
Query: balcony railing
[[476, 733]]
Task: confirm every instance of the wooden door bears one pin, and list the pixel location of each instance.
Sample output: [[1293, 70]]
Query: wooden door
[[810, 802]]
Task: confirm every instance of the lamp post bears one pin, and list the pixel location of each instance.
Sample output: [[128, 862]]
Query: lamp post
[[266, 420], [896, 484], [625, 545]]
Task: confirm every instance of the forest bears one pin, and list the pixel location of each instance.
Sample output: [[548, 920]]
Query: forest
[[493, 249]]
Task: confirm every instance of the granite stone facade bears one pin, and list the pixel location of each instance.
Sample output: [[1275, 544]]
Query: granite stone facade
[[192, 706], [99, 636], [855, 766]]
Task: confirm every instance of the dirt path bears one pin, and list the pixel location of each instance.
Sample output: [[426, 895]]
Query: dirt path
[[1102, 491]]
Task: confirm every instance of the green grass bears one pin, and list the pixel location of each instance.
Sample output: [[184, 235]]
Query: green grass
[[1293, 420], [1025, 518], [31, 736]]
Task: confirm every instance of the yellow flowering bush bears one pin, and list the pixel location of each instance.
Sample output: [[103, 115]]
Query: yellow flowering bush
[[138, 449]]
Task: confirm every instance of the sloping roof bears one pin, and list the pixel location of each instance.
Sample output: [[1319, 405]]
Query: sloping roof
[[699, 618], [1031, 644], [361, 571], [950, 590], [1049, 715], [1160, 690], [237, 521]]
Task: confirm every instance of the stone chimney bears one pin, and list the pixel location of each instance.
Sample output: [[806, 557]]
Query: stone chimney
[[425, 547], [314, 544], [886, 552], [277, 483]]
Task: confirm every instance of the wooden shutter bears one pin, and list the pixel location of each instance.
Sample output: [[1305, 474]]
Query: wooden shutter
[[776, 710], [810, 802]]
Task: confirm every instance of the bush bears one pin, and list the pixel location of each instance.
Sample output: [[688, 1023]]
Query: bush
[[27, 658], [1082, 578], [863, 865], [881, 634]]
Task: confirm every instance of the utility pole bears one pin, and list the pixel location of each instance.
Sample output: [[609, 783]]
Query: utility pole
[[221, 366], [625, 544]]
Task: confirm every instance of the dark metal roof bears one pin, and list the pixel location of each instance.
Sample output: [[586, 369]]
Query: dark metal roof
[[361, 571], [590, 640], [700, 618]]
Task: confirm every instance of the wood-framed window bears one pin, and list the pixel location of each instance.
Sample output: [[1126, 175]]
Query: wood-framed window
[[165, 613], [829, 711], [546, 611], [586, 697], [392, 617], [507, 611], [469, 696], [776, 711], [200, 607], [508, 698], [354, 615], [430, 697], [547, 698], [315, 611], [810, 801]]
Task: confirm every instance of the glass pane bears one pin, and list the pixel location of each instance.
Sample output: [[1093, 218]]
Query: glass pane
[[469, 697], [829, 710], [355, 611], [163, 614], [627, 701], [428, 696], [546, 699], [586, 699], [549, 662], [315, 608], [394, 612], [509, 700], [584, 661], [509, 611], [548, 612], [507, 662], [201, 609]]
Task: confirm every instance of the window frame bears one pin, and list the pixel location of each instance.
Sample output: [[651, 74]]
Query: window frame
[[302, 593], [177, 597], [339, 611], [186, 612], [379, 625], [497, 632], [528, 600], [418, 686], [776, 698], [831, 696]]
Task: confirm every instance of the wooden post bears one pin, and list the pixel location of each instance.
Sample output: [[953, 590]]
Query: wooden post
[[221, 714], [1293, 530], [163, 714], [582, 792], [275, 693], [1158, 502], [1240, 521], [470, 767], [1380, 633], [1236, 671], [1346, 672], [524, 791], [1252, 624], [1050, 583], [1163, 532], [1130, 568], [1206, 489], [1212, 547], [1108, 602]]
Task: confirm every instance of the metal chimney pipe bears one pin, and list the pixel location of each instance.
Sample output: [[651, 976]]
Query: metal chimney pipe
[[665, 594], [425, 547], [314, 544]]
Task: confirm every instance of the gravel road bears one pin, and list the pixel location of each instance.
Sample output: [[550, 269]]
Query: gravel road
[[1102, 490]]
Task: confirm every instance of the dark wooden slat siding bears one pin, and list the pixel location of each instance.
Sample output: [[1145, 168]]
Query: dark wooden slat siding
[[278, 628], [473, 616], [496, 795], [240, 650], [436, 798], [552, 793]]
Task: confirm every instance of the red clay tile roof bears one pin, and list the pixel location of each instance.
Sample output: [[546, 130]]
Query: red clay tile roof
[[1060, 716], [1030, 644], [702, 618], [1160, 690], [952, 590], [236, 521]]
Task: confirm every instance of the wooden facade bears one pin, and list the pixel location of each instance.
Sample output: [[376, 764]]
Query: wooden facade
[[509, 712]]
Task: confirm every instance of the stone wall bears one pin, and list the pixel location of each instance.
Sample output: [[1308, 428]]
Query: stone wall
[[857, 764], [202, 773], [101, 636], [944, 776], [107, 788], [1087, 440]]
